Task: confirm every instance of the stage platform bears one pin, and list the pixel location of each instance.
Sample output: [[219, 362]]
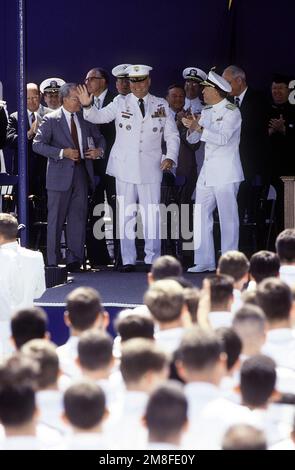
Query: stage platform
[[117, 290]]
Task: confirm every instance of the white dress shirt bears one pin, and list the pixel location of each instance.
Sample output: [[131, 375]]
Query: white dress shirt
[[76, 120], [287, 274]]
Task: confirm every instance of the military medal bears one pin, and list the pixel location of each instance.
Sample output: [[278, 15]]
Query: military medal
[[128, 127]]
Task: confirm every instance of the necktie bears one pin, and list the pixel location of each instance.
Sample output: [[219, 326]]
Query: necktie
[[97, 102], [141, 105], [237, 101], [33, 119], [74, 134]]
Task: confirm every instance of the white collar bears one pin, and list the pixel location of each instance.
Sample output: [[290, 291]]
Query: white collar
[[67, 113], [102, 96], [145, 98], [10, 246], [280, 334], [241, 96], [221, 104]]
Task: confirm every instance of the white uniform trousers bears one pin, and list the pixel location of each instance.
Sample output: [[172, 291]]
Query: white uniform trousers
[[207, 197], [148, 196]]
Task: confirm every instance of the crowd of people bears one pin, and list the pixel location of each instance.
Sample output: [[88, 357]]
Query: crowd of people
[[224, 139], [189, 369]]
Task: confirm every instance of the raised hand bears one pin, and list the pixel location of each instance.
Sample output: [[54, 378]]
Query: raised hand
[[83, 95]]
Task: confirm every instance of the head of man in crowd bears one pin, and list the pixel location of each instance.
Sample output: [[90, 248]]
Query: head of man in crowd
[[69, 98], [280, 88], [264, 264], [8, 228], [216, 88], [122, 80], [176, 97], [139, 78], [236, 77], [96, 81], [33, 97], [285, 246], [193, 76], [50, 88], [84, 311], [164, 267], [244, 437]]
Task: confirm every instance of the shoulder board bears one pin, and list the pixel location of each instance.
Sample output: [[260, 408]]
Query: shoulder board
[[207, 107], [231, 106]]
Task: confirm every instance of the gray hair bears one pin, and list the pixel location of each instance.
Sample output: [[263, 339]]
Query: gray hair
[[65, 89], [236, 72]]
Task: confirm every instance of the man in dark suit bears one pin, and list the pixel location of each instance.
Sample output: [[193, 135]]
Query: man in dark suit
[[36, 168], [97, 82], [282, 139], [64, 138], [186, 165], [254, 142]]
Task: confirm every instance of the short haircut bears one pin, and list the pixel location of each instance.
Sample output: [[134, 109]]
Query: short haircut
[[258, 379], [236, 71], [244, 437], [44, 352], [95, 349], [17, 391], [285, 245], [104, 74], [175, 85], [8, 226], [191, 298], [84, 404], [140, 356], [165, 300], [166, 411], [166, 266], [234, 264], [264, 264], [275, 298], [83, 307], [221, 289], [232, 345], [199, 349], [134, 325], [27, 324], [249, 321], [65, 89]]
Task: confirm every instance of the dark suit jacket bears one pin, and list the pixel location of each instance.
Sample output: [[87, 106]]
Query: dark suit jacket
[[52, 136], [3, 126], [109, 132], [36, 167], [254, 143]]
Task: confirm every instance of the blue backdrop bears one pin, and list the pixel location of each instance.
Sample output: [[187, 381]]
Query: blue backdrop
[[67, 38]]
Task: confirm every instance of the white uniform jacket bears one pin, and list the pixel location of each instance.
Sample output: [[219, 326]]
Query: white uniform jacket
[[222, 127], [29, 275], [137, 152]]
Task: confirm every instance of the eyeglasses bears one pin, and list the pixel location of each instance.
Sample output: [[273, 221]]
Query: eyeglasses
[[93, 78]]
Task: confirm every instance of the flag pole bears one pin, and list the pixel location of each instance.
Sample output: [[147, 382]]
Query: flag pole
[[22, 121]]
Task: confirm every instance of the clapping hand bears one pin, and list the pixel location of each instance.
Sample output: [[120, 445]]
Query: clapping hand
[[277, 125]]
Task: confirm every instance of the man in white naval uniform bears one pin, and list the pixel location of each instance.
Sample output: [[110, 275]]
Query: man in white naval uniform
[[193, 77], [136, 159], [219, 127]]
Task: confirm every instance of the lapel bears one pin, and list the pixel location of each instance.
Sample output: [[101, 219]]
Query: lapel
[[83, 129]]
